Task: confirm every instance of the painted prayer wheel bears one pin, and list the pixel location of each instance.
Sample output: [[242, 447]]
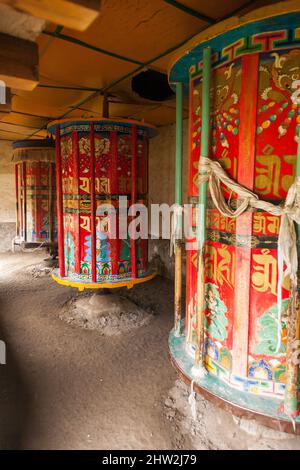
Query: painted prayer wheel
[[35, 192], [253, 134], [98, 162]]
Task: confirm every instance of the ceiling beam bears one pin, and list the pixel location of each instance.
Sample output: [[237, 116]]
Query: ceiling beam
[[70, 88], [16, 125], [31, 115], [19, 61], [14, 132], [74, 14], [140, 68], [191, 11], [120, 80], [78, 42]]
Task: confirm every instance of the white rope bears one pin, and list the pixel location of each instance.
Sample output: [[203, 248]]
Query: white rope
[[212, 172], [193, 402]]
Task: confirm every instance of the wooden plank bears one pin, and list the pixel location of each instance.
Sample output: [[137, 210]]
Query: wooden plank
[[19, 61], [60, 205], [74, 14], [245, 176]]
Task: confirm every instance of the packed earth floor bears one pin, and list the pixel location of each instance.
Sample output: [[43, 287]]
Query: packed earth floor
[[67, 386]]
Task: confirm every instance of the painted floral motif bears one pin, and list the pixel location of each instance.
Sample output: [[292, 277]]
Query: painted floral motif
[[102, 146], [215, 313], [260, 370], [102, 248], [268, 322], [276, 86], [66, 147], [69, 251]]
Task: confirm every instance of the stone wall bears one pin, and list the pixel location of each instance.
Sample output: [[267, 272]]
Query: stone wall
[[162, 184]]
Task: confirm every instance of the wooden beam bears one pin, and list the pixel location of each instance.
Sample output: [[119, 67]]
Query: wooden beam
[[19, 62], [74, 14]]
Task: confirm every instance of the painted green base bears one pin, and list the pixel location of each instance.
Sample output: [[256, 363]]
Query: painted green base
[[270, 408]]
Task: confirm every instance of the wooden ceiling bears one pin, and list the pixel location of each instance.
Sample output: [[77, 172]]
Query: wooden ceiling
[[76, 68]]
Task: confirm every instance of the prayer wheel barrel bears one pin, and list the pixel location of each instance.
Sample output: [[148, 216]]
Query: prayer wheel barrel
[[254, 115], [101, 164], [35, 192]]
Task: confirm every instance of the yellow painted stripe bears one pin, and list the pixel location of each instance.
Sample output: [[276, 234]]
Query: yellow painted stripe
[[112, 285]]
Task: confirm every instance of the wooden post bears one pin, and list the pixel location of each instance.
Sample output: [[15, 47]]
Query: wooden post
[[178, 201], [133, 198], [50, 202], [37, 192], [25, 201], [60, 208], [291, 403], [244, 223], [17, 199], [201, 219], [21, 208], [93, 205]]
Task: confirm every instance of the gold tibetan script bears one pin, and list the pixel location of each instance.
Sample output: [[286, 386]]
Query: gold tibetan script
[[264, 277], [85, 222], [220, 270], [266, 224], [101, 185], [269, 178]]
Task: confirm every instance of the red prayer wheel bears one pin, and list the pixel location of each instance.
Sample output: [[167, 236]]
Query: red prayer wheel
[[35, 192], [253, 121], [97, 162]]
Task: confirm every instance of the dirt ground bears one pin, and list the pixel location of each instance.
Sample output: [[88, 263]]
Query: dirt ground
[[65, 387], [69, 387]]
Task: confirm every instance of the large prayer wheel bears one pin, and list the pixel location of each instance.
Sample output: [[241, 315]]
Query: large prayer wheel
[[98, 161], [253, 120], [35, 192]]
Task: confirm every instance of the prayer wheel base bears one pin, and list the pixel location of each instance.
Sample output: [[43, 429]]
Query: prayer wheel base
[[265, 410], [81, 286]]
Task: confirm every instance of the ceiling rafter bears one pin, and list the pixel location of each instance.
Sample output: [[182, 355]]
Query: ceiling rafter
[[191, 11], [17, 125], [78, 42], [57, 34]]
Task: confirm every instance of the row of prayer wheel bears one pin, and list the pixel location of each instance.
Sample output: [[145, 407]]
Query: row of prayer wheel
[[247, 90]]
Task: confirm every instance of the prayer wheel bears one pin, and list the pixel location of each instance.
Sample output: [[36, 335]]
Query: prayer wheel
[[252, 75], [102, 170], [35, 192]]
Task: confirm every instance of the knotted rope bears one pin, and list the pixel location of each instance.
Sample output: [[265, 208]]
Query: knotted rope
[[212, 172]]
